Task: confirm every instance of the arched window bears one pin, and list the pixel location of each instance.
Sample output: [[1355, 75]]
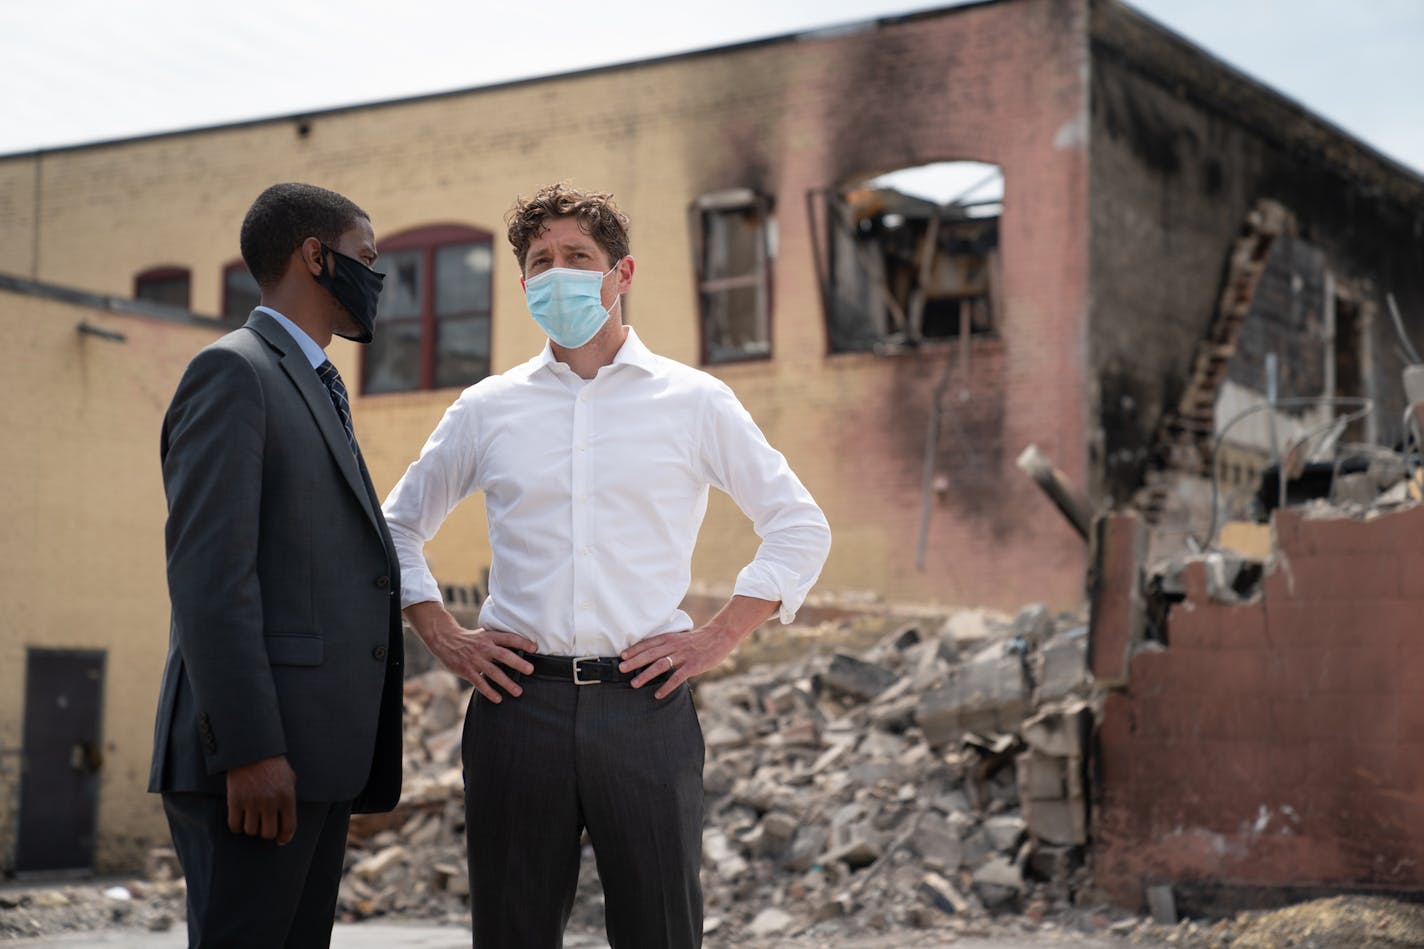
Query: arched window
[[170, 285], [433, 325], [240, 293]]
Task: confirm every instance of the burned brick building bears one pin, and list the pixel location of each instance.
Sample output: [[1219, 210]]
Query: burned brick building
[[1121, 230]]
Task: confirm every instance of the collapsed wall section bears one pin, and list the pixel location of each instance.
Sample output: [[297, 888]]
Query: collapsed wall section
[[1276, 744]]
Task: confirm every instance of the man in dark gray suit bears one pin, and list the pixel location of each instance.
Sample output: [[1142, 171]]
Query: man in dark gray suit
[[280, 707]]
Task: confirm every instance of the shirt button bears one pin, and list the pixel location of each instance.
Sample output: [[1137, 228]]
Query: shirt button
[[586, 551], [585, 605], [379, 652]]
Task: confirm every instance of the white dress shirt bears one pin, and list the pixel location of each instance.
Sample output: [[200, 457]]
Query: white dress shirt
[[594, 492]]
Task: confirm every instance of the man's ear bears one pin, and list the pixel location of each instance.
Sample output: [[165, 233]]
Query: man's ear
[[313, 257], [625, 274]]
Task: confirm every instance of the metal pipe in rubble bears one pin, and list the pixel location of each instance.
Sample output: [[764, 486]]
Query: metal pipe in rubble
[[1036, 465]]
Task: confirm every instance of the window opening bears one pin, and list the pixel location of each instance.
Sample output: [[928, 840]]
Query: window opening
[[904, 251], [733, 245]]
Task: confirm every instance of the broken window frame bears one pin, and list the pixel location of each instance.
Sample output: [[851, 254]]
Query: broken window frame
[[852, 327], [758, 346]]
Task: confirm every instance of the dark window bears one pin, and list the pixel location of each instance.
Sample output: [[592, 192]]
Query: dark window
[[910, 256], [433, 325], [240, 293], [732, 247], [169, 285]]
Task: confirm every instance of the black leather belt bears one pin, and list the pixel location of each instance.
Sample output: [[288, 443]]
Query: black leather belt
[[580, 670]]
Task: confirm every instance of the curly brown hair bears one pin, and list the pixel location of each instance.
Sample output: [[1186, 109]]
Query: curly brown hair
[[595, 211]]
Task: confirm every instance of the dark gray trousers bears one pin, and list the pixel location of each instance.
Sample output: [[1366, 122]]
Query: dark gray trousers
[[541, 768], [248, 893]]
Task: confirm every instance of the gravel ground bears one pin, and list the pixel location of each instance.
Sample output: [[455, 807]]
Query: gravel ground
[[128, 914]]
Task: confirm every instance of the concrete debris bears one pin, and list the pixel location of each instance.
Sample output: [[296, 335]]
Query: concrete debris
[[911, 782], [832, 817]]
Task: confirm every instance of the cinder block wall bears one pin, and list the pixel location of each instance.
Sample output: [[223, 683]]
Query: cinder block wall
[[996, 82], [1277, 744], [81, 499]]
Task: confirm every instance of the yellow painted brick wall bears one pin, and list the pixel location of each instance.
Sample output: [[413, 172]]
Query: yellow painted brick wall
[[998, 82], [83, 565]]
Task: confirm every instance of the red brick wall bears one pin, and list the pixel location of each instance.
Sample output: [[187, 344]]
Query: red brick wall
[[1278, 743]]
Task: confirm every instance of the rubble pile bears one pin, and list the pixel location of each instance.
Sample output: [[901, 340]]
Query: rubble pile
[[932, 779]]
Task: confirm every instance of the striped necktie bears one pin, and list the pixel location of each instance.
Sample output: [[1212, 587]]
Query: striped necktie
[[337, 390]]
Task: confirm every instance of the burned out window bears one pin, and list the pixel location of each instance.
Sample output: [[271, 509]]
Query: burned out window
[[170, 285], [910, 256], [732, 247]]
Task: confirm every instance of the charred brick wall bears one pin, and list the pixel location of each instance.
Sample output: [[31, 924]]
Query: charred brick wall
[[1182, 148], [999, 82], [1277, 744]]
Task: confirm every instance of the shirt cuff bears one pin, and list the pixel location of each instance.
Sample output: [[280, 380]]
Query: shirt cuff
[[772, 581], [418, 586]]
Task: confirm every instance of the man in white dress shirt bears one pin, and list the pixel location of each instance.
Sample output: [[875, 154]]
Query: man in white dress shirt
[[594, 458]]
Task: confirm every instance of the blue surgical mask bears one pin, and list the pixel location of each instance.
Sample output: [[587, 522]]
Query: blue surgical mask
[[568, 304]]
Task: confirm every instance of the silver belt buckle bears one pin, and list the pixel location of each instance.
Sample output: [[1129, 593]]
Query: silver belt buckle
[[577, 680]]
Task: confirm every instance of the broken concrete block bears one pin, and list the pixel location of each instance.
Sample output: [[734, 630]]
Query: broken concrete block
[[1034, 623], [863, 849], [770, 921], [1057, 822], [722, 736], [807, 846], [975, 849], [937, 844], [1052, 862], [1005, 831], [856, 678], [717, 778], [718, 850], [1061, 666], [1047, 778], [378, 863], [896, 715], [999, 871], [943, 895], [1162, 904], [969, 629], [1059, 731], [989, 693]]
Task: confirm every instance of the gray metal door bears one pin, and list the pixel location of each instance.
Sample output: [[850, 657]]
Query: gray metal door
[[61, 758]]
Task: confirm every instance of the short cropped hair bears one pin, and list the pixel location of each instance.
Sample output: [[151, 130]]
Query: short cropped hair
[[285, 215], [597, 216]]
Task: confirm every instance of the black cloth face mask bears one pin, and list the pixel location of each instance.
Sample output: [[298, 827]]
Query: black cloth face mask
[[357, 288]]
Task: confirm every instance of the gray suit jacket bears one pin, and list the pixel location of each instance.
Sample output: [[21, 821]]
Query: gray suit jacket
[[285, 634]]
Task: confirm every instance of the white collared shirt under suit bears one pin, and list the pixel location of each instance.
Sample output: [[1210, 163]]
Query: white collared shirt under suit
[[594, 493]]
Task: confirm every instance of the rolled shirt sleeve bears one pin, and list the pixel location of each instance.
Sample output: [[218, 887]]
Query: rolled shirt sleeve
[[443, 476], [795, 537]]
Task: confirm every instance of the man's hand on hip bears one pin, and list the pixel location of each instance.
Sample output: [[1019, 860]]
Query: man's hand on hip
[[694, 652], [479, 656], [262, 799]]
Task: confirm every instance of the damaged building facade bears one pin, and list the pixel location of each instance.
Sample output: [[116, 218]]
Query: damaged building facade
[[1071, 284]]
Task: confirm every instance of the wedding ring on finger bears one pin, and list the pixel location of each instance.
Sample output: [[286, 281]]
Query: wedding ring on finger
[[671, 665]]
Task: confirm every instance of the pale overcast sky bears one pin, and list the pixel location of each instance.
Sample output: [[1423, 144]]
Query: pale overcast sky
[[75, 71]]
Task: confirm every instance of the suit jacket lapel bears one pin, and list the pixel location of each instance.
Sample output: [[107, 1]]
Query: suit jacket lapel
[[318, 401]]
